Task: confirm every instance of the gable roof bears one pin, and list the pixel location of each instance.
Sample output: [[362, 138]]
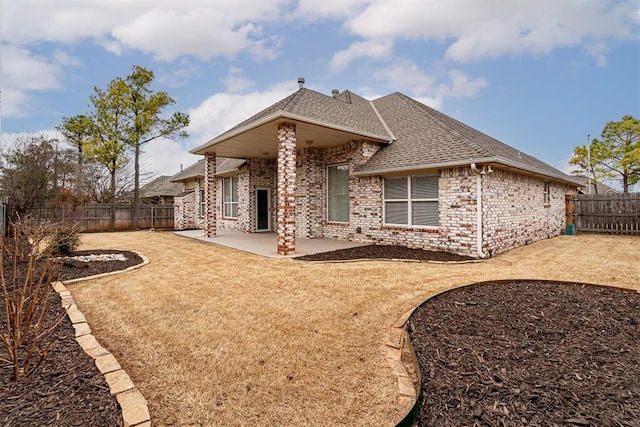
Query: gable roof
[[427, 138], [195, 170], [414, 136], [346, 112]]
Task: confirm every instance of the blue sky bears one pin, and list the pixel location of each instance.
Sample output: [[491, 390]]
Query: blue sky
[[537, 75]]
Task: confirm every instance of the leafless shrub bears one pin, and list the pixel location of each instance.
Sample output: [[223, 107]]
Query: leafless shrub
[[27, 270]]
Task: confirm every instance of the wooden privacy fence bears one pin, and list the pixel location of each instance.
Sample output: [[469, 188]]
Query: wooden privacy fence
[[96, 217], [607, 213]]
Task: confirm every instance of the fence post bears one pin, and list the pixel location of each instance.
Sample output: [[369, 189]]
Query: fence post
[[3, 217]]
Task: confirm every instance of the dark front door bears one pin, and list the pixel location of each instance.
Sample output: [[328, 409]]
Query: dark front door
[[263, 209]]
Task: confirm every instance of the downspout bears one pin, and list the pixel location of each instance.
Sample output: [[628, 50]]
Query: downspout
[[478, 210]]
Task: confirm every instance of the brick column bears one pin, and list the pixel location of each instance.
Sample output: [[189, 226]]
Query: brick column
[[286, 186], [210, 194]]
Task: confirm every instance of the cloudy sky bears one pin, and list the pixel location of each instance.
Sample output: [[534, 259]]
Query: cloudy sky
[[538, 75]]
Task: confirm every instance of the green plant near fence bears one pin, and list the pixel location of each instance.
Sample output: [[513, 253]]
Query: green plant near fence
[[96, 217]]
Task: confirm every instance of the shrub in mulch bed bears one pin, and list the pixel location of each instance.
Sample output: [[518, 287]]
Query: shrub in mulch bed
[[384, 252], [67, 388], [529, 353]]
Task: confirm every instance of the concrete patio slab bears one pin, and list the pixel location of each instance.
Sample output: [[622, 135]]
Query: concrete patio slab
[[264, 244]]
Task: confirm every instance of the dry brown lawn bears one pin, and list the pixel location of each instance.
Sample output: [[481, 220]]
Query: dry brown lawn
[[214, 336]]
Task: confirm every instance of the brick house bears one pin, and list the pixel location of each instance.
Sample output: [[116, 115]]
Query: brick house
[[189, 205], [390, 171]]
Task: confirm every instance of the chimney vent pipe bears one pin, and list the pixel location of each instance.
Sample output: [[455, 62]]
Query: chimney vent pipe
[[335, 93], [301, 82]]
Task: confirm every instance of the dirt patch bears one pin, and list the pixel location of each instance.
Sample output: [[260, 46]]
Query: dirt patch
[[384, 252], [67, 388], [529, 353]]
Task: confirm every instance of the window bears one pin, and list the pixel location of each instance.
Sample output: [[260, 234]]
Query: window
[[411, 200], [547, 195], [203, 209], [338, 193], [230, 197]]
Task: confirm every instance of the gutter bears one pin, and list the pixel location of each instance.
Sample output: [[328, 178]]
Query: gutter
[[460, 163], [479, 174], [285, 115]]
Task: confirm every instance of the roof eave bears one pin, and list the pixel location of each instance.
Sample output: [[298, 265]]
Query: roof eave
[[201, 150], [458, 163], [187, 178]]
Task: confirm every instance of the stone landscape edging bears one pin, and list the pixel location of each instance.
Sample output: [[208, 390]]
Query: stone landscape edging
[[337, 261], [399, 343], [409, 386], [134, 407]]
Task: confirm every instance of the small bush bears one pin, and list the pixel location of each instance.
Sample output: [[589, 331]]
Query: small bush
[[65, 241]]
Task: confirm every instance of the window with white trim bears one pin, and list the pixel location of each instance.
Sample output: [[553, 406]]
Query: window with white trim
[[338, 193], [411, 200], [230, 197]]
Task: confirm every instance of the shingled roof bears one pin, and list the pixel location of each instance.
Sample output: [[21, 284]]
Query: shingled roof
[[413, 135], [160, 187], [196, 170], [346, 111], [427, 138]]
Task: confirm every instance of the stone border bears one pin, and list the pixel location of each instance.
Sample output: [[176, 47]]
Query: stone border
[[408, 373], [406, 370], [144, 262], [135, 411], [337, 261]]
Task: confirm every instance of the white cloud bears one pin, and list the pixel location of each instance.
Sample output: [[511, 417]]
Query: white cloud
[[431, 89], [22, 73], [235, 81], [166, 29], [597, 51], [477, 30], [64, 59], [165, 156], [309, 10], [209, 34], [221, 111], [461, 86], [406, 76], [179, 74], [373, 49]]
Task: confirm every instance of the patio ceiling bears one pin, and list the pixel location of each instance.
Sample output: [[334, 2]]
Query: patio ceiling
[[261, 141]]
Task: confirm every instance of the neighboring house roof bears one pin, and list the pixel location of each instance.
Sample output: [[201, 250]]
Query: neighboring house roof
[[596, 187], [161, 186], [414, 136], [196, 170]]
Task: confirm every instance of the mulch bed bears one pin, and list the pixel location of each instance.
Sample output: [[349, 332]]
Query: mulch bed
[[529, 353], [67, 388], [384, 252]]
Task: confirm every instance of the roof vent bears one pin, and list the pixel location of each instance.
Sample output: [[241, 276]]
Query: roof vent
[[335, 93], [301, 82]]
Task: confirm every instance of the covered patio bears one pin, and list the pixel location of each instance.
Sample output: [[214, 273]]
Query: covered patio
[[287, 148], [264, 244]]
